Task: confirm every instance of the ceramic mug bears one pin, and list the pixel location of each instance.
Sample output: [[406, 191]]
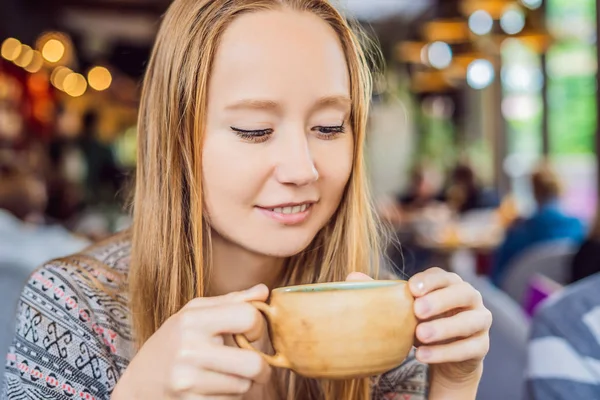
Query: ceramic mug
[[339, 330]]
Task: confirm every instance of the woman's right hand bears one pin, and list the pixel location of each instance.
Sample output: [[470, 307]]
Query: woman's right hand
[[187, 357]]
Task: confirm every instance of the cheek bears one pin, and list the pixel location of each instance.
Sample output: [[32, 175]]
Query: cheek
[[229, 176], [334, 164]]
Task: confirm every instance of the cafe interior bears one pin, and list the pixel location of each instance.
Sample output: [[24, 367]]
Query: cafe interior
[[483, 114]]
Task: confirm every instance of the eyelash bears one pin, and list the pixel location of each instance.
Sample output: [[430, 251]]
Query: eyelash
[[259, 136]]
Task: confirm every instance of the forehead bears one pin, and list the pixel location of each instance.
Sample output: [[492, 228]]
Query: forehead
[[281, 54]]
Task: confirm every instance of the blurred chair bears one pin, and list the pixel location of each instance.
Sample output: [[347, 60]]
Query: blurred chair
[[550, 259], [504, 366], [13, 277]]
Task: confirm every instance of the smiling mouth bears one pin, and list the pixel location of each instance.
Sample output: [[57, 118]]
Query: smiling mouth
[[290, 209]]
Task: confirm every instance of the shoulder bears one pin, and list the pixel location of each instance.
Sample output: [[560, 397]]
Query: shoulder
[[409, 381], [574, 304], [564, 350]]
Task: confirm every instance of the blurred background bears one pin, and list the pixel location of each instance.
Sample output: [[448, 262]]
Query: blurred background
[[482, 142]]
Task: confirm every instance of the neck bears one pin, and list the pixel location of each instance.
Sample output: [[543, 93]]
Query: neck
[[235, 268]]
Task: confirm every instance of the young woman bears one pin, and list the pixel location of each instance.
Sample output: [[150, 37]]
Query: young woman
[[250, 176]]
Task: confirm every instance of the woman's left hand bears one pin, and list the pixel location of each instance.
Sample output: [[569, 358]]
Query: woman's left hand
[[452, 334]]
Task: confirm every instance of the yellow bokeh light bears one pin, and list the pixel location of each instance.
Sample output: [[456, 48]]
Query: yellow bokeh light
[[53, 50], [99, 78], [25, 57], [37, 62], [58, 77], [75, 85], [11, 49]]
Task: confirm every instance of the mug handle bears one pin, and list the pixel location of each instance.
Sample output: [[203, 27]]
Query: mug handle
[[277, 360]]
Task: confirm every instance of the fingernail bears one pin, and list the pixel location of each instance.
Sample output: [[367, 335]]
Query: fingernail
[[254, 289], [425, 332], [419, 287], [422, 307], [424, 354]]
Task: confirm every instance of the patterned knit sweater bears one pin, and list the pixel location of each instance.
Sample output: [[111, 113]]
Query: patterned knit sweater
[[74, 340]]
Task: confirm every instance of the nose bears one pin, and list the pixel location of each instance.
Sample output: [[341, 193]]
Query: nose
[[296, 165]]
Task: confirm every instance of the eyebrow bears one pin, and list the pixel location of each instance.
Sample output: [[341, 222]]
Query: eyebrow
[[337, 101]]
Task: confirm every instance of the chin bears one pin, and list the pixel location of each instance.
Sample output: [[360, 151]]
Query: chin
[[282, 247]]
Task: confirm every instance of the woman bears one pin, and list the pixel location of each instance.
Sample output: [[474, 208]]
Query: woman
[[250, 175]]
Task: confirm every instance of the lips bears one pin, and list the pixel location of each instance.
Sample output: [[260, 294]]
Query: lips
[[288, 214], [290, 209]]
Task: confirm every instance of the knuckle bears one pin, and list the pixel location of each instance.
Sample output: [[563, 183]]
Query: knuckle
[[476, 295], [195, 302], [256, 365], [454, 277], [242, 386], [250, 316], [180, 380], [186, 319], [484, 346], [488, 318], [436, 270]]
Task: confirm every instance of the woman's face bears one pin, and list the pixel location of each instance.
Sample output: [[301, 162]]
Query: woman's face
[[278, 147]]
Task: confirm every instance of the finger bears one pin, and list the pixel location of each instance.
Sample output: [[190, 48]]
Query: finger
[[222, 319], [462, 325], [358, 277], [473, 348], [259, 292], [453, 297], [243, 363], [191, 380], [430, 280]]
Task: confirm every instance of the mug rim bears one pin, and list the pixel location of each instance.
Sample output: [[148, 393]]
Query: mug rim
[[324, 287]]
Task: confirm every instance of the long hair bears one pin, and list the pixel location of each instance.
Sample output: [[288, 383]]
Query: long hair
[[171, 237]]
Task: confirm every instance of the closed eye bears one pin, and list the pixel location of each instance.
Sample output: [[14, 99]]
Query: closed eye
[[329, 132], [258, 135]]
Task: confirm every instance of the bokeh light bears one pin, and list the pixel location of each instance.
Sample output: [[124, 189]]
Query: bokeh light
[[53, 50], [99, 78], [58, 77], [439, 55], [481, 22], [36, 64], [11, 49], [75, 84], [512, 21], [532, 4], [25, 56], [480, 74]]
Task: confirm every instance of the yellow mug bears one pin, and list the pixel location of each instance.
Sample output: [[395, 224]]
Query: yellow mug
[[339, 330]]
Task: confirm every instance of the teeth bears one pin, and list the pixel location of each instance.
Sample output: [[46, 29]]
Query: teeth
[[290, 210]]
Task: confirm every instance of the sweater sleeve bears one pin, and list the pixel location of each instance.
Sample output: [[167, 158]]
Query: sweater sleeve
[[410, 381], [61, 349]]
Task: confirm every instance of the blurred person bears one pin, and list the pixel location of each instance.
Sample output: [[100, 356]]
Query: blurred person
[[417, 196], [420, 192], [586, 261], [548, 223], [564, 347], [25, 238], [250, 174], [465, 193]]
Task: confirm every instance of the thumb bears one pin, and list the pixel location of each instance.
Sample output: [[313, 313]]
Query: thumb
[[358, 277], [258, 292]]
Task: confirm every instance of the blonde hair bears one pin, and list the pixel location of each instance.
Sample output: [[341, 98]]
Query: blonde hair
[[171, 236]]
